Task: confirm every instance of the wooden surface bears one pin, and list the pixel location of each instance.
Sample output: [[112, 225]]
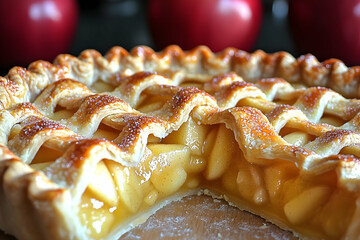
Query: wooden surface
[[202, 217]]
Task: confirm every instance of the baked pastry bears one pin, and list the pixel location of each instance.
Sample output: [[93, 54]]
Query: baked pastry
[[92, 145]]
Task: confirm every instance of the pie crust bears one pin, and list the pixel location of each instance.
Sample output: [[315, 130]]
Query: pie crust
[[93, 145]]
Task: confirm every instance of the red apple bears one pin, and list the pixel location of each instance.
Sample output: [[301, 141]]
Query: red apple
[[327, 28], [35, 29], [215, 23]]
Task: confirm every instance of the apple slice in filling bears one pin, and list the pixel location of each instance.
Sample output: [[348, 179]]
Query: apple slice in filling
[[208, 157]]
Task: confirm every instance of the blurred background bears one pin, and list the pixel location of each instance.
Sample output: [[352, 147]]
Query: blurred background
[[102, 24], [125, 23]]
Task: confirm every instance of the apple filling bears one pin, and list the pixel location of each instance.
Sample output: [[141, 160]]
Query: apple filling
[[208, 157]]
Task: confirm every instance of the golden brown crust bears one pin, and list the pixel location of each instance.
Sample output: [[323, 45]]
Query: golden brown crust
[[244, 91], [90, 66]]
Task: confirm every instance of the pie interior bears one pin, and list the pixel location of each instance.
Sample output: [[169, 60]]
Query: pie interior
[[93, 145]]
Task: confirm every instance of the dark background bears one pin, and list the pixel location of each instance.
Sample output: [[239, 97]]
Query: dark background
[[107, 23], [103, 24]]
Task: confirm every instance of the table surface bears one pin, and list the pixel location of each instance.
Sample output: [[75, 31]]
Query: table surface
[[202, 217]]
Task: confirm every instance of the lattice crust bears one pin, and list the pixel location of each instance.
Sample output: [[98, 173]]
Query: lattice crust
[[142, 95]]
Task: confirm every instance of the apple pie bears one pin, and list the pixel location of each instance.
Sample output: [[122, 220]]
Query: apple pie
[[92, 145]]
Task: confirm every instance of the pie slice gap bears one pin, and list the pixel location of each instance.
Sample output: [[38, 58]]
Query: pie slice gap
[[91, 146]]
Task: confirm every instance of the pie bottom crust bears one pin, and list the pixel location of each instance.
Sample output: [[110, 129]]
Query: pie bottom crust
[[142, 217]]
